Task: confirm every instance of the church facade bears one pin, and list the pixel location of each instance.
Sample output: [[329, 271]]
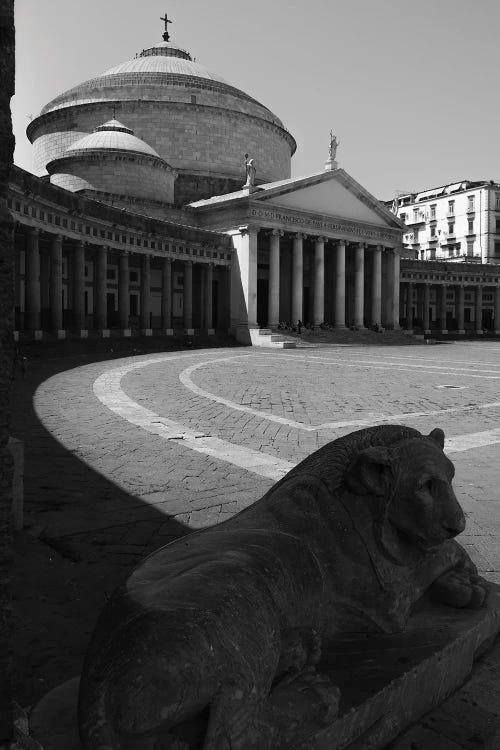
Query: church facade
[[138, 216]]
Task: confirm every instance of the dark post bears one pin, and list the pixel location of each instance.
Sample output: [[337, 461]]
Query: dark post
[[6, 359]]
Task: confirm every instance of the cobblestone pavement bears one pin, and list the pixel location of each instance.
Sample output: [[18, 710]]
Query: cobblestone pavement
[[126, 454]]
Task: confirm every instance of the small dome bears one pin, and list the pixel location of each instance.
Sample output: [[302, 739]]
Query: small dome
[[112, 135]]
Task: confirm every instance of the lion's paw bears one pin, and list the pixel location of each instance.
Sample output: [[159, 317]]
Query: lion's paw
[[460, 588]]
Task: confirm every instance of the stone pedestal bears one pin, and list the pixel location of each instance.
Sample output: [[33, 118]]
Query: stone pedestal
[[147, 331], [83, 333], [61, 334], [127, 332], [38, 335], [105, 333]]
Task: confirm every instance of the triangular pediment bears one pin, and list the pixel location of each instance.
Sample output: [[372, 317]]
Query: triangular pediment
[[334, 194]]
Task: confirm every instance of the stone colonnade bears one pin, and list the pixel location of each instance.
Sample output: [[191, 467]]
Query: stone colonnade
[[48, 281], [421, 304], [347, 283]]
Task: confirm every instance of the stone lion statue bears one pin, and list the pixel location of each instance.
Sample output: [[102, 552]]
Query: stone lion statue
[[214, 640]]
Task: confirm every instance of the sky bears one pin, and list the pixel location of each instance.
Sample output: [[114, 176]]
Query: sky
[[409, 87]]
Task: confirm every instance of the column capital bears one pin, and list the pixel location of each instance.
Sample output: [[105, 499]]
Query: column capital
[[248, 228], [361, 244], [320, 239], [188, 262], [299, 236], [340, 243], [277, 232], [34, 231]]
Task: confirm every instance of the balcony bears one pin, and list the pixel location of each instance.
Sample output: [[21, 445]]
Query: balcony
[[471, 209], [420, 219]]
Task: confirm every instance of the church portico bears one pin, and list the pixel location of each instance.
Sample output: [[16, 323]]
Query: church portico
[[295, 263]]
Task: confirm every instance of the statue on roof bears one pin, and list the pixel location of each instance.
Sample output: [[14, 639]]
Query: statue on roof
[[250, 171], [334, 144]]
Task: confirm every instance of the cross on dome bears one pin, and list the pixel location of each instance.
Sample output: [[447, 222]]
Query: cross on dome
[[166, 35]]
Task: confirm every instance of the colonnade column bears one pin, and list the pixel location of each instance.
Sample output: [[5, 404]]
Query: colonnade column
[[319, 281], [340, 285], [297, 278], [273, 306], [395, 274], [166, 297], [32, 295], [101, 284], [123, 292], [459, 307], [56, 313], [359, 284], [442, 308], [409, 306], [78, 287], [425, 311], [188, 297], [146, 295], [376, 318], [497, 310], [209, 275], [479, 309]]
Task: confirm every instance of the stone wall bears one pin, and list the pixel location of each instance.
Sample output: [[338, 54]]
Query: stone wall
[[6, 358], [189, 137]]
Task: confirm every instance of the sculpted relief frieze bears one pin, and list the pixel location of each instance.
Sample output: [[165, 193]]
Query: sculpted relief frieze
[[333, 226]]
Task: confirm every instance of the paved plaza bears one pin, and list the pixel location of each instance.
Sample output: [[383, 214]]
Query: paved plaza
[[124, 455]]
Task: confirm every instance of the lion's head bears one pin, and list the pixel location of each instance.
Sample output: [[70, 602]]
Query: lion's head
[[411, 481]]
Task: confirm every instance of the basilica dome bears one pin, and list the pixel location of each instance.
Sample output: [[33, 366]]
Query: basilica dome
[[195, 120]]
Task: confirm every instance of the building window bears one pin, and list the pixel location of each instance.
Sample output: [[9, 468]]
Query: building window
[[451, 207], [470, 248], [403, 217], [471, 226], [111, 274], [432, 253], [497, 201], [497, 224], [497, 249], [415, 214], [193, 99], [451, 228], [433, 211], [470, 203], [134, 277]]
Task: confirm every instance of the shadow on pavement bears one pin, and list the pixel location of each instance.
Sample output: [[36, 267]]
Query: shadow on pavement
[[60, 583]]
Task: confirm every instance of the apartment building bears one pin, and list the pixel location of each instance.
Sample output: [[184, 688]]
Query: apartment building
[[456, 222]]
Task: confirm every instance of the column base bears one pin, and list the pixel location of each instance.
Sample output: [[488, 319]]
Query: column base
[[427, 331], [461, 331], [497, 333], [479, 333], [340, 327], [189, 331], [166, 332], [61, 334], [83, 333], [147, 331], [15, 335], [38, 335], [105, 333], [126, 332], [211, 331], [443, 330]]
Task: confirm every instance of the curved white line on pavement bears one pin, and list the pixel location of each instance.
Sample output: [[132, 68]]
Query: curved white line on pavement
[[370, 418], [107, 388]]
